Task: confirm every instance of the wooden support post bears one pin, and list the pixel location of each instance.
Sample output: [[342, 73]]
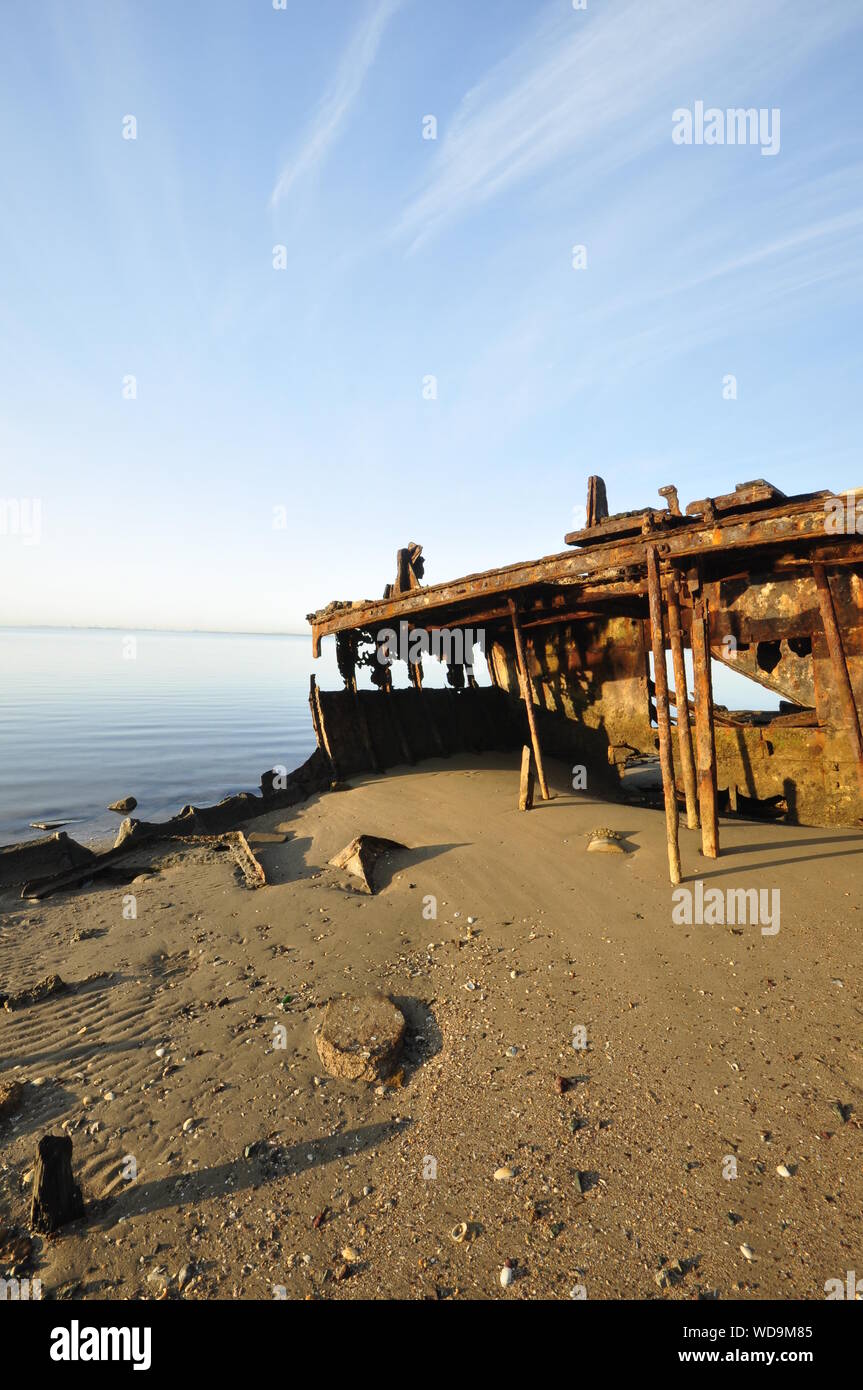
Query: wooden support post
[[525, 790], [527, 694], [684, 729], [844, 689], [663, 718], [346, 659], [415, 673], [56, 1196], [705, 742]]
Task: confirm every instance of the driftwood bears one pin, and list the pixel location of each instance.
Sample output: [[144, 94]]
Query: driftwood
[[57, 1197], [252, 869]]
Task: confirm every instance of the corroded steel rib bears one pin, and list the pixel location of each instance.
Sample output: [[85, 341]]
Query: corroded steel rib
[[598, 570]]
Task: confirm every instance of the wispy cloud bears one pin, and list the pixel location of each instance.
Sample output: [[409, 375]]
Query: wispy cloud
[[353, 68], [592, 90]]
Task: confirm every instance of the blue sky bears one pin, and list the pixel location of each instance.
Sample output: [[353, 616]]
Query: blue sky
[[302, 388]]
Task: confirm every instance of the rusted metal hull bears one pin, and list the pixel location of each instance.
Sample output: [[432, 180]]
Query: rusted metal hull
[[744, 575]]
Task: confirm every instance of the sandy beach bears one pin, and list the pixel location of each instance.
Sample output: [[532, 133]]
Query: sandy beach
[[218, 1160]]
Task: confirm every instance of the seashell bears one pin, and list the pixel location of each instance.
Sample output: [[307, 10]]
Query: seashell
[[747, 1252], [506, 1277], [503, 1174], [349, 1255], [459, 1232], [785, 1171]]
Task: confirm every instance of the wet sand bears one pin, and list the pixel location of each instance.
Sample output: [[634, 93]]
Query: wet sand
[[711, 1051]]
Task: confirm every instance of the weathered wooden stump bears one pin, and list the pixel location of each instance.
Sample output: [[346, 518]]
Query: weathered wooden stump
[[525, 789], [57, 1197], [361, 1037]]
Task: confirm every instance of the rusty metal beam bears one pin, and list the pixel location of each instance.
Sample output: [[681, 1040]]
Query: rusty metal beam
[[663, 718], [527, 692], [684, 731], [844, 689], [792, 524], [705, 741]]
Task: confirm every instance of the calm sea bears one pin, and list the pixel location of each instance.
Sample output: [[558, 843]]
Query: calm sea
[[87, 717], [90, 716]]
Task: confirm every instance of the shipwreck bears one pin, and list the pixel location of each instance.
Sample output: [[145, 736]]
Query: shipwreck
[[768, 585]]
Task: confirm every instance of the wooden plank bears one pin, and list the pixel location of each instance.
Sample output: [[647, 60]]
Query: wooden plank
[[253, 871], [527, 693], [663, 717], [318, 724], [744, 495], [365, 731]]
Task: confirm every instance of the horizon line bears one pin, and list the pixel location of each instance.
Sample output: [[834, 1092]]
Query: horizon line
[[100, 627]]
